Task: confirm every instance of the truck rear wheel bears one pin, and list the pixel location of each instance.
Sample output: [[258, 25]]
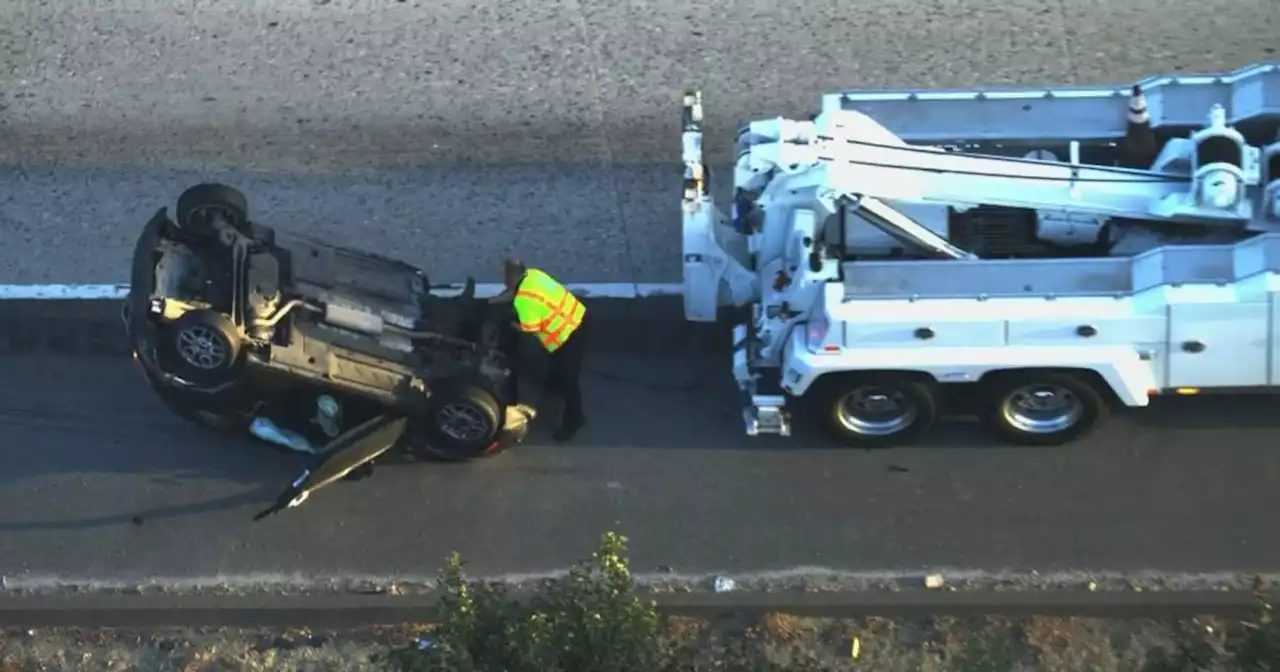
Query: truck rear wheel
[[879, 410], [1042, 408]]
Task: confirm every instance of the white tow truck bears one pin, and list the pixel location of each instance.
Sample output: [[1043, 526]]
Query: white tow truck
[[1034, 256]]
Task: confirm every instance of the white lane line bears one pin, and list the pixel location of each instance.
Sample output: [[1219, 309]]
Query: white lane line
[[608, 290], [54, 292]]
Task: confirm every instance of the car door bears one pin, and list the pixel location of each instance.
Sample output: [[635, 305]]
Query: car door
[[352, 449]]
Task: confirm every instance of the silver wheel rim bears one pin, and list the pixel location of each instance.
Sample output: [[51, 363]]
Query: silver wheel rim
[[877, 411], [202, 347], [463, 422], [205, 214], [1042, 409]]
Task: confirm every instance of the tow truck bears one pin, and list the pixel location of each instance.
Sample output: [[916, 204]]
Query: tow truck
[[1037, 257]]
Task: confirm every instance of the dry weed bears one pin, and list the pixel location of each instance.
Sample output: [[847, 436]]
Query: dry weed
[[775, 643]]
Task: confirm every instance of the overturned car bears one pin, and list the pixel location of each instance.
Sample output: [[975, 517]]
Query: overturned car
[[243, 328]]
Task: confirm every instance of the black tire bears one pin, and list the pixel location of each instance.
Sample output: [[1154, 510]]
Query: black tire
[[197, 205], [462, 406], [204, 346], [908, 409], [1016, 410]]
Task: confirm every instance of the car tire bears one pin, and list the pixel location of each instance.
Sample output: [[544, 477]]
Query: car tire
[[198, 204], [878, 410], [462, 422], [204, 346], [1042, 408]]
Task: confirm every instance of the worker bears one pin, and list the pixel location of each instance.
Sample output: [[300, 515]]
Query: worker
[[1138, 148], [548, 311]]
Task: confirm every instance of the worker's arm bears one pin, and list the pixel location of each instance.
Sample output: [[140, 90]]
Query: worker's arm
[[520, 325], [504, 297]]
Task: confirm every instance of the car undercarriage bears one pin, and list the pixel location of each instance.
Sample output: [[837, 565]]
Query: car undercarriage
[[240, 327]]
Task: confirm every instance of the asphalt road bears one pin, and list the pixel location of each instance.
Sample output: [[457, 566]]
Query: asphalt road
[[101, 483], [453, 131]]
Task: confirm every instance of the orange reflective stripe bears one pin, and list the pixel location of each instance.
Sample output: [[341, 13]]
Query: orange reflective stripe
[[540, 325], [557, 310], [569, 311], [541, 299]]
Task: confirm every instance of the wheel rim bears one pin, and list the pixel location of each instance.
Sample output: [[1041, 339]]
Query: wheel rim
[[463, 422], [202, 347], [1042, 409], [205, 215], [877, 411]]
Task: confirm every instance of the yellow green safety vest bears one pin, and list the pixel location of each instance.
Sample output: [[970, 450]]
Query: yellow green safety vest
[[546, 309]]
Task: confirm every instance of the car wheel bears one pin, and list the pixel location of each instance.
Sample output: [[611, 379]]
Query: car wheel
[[200, 205], [205, 346], [1042, 408], [879, 410], [462, 422]]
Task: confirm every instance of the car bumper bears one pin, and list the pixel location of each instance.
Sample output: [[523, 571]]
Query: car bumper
[[139, 310]]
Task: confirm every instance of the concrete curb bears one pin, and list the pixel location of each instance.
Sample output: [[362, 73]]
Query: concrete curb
[[351, 610]]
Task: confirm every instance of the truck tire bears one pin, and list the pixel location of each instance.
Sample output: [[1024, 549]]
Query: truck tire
[[197, 205], [1042, 408], [204, 346], [878, 410], [462, 423]]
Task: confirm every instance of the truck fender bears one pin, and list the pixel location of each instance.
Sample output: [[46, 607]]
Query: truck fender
[[1131, 381], [1129, 377]]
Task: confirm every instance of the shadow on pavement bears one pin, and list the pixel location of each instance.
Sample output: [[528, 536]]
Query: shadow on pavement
[[94, 417]]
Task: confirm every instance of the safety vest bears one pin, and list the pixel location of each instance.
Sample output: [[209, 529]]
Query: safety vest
[[547, 310]]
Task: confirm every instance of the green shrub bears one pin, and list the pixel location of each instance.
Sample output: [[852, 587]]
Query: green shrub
[[588, 620], [1255, 647], [592, 621], [1250, 646]]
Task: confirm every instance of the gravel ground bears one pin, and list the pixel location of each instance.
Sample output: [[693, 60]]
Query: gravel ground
[[789, 643], [452, 132], [322, 85]]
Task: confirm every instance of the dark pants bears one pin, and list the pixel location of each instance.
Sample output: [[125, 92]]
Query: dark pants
[[564, 372]]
